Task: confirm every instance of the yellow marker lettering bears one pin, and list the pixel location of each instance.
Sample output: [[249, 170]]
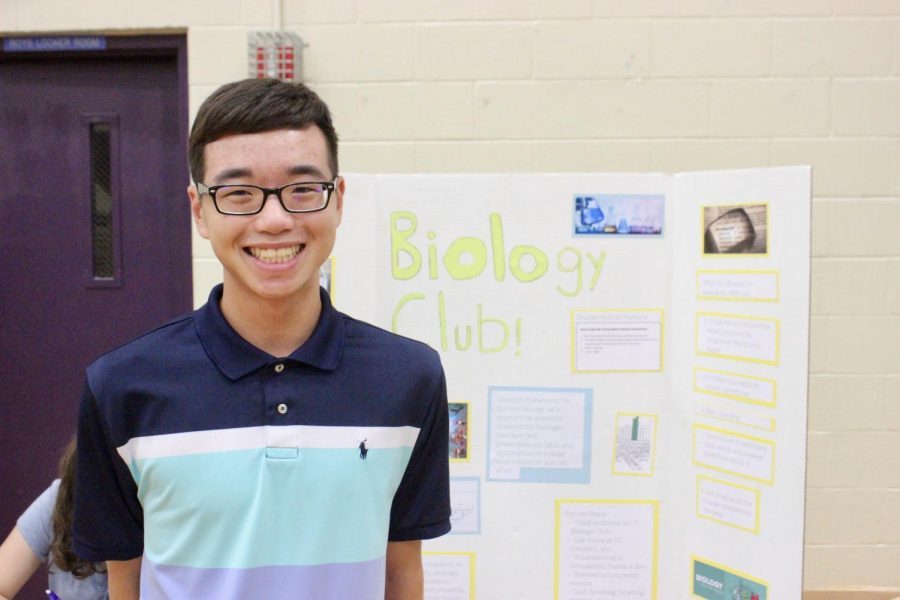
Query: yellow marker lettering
[[481, 323], [537, 271], [470, 247], [403, 301], [573, 268], [497, 247], [598, 266], [400, 245]]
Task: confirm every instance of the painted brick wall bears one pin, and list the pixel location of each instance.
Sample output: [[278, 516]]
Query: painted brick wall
[[630, 85]]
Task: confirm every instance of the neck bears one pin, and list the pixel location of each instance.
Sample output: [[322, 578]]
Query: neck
[[277, 327]]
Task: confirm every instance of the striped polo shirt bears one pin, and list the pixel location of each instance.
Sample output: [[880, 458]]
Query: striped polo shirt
[[236, 474]]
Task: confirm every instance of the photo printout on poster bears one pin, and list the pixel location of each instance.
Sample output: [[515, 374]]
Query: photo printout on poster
[[738, 337], [733, 505], [539, 434], [734, 453], [759, 286], [465, 505], [625, 340], [449, 575], [606, 550], [634, 448]]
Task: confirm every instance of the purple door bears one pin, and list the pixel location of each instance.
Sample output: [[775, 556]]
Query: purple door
[[94, 233]]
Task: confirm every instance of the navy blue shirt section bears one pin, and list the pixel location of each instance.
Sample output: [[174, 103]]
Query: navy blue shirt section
[[197, 374]]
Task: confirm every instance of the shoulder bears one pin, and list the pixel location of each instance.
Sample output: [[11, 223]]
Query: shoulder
[[160, 345], [390, 349], [35, 522]]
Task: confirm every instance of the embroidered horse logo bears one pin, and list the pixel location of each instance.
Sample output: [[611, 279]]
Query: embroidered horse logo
[[363, 451]]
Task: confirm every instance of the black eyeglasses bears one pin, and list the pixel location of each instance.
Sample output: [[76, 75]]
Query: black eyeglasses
[[244, 199]]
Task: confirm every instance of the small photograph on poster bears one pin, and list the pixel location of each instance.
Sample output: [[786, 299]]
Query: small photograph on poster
[[459, 431], [736, 229], [465, 505], [449, 575], [711, 581], [618, 214], [634, 448], [539, 435], [325, 276]]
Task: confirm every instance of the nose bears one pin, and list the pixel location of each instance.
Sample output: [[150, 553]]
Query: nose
[[273, 217]]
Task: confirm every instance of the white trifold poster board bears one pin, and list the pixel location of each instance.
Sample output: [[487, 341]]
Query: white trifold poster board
[[626, 358]]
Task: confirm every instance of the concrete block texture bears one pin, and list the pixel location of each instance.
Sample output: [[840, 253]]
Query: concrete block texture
[[592, 49], [867, 107], [473, 51], [769, 108], [842, 166], [835, 564], [832, 47], [847, 403], [712, 47]]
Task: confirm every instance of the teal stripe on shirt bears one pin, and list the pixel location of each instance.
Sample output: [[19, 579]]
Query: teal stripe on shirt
[[325, 506]]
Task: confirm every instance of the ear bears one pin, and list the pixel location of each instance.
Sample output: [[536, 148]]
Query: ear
[[197, 211], [339, 188]]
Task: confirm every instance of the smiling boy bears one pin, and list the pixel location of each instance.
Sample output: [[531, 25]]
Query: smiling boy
[[266, 445]]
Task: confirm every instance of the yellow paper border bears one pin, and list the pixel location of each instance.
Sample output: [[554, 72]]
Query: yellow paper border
[[471, 556], [662, 339], [756, 492], [556, 543], [742, 254], [777, 275], [762, 361], [770, 404], [741, 574], [770, 428], [652, 445], [737, 434], [468, 457]]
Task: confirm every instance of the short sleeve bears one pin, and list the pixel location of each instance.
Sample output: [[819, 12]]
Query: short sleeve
[[108, 518], [421, 507], [35, 523]]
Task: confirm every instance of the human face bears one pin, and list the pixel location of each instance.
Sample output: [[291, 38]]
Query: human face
[[272, 255]]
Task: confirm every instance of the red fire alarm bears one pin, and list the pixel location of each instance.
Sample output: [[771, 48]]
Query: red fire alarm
[[274, 54]]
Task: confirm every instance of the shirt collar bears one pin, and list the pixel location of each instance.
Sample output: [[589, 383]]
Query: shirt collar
[[236, 357]]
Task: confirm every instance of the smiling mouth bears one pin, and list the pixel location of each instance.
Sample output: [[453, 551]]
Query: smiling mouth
[[275, 255]]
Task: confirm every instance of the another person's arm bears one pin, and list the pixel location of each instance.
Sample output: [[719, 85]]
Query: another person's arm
[[405, 579], [124, 579], [17, 564]]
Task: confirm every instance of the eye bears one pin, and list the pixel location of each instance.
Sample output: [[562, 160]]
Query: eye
[[235, 192], [301, 189]]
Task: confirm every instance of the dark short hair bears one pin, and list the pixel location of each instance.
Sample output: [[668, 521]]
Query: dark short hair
[[256, 106]]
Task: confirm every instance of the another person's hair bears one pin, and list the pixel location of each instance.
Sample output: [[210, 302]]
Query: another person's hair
[[257, 106], [61, 547]]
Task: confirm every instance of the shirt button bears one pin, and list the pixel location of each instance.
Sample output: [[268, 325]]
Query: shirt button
[[282, 408], [279, 367]]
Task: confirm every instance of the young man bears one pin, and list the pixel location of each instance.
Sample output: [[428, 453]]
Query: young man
[[265, 446]]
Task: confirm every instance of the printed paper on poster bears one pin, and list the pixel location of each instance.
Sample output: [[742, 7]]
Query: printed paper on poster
[[449, 575], [617, 340], [734, 453], [465, 505], [738, 337], [729, 504], [539, 434], [606, 549]]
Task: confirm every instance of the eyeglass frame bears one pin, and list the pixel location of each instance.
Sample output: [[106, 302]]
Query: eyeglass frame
[[330, 187]]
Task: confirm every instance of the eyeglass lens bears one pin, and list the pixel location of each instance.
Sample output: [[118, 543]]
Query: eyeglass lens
[[300, 197]]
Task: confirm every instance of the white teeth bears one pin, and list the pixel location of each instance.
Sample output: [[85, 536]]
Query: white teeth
[[275, 255]]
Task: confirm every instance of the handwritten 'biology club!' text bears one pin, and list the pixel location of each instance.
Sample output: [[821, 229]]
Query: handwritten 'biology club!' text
[[414, 255]]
